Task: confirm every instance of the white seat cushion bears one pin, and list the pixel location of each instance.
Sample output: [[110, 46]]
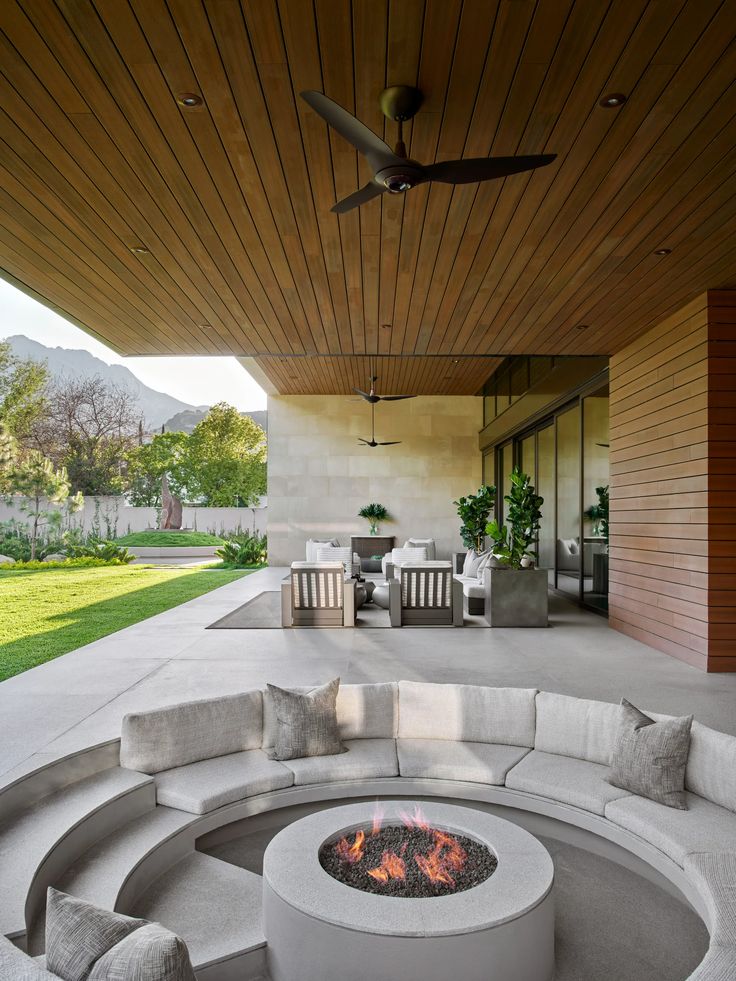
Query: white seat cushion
[[428, 544], [366, 759], [472, 588], [204, 786], [578, 727], [472, 713], [715, 875], [719, 965], [449, 759], [703, 827], [314, 543], [578, 782]]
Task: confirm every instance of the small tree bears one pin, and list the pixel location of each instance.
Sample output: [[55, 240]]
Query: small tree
[[148, 463], [7, 458], [598, 513], [473, 511], [37, 481], [524, 513], [224, 460]]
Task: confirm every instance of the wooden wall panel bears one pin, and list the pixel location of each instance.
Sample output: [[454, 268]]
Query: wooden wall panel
[[673, 477]]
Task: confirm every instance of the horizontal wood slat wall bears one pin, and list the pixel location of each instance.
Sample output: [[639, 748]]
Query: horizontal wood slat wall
[[673, 476]]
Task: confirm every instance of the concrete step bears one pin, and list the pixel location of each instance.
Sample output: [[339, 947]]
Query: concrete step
[[216, 908], [100, 875], [38, 845]]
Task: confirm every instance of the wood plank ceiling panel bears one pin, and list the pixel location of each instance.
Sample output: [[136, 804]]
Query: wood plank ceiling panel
[[231, 198]]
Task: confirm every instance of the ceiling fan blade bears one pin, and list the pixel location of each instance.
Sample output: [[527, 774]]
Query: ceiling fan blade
[[394, 442], [396, 398], [363, 395], [367, 193], [365, 141], [484, 168]]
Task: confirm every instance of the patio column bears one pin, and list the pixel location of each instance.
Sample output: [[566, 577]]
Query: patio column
[[673, 480]]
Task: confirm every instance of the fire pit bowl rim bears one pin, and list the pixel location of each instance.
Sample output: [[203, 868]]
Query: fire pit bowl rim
[[523, 879]]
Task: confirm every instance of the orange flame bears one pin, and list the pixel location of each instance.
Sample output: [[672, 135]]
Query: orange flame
[[447, 855], [378, 813], [391, 867], [351, 853], [415, 820]]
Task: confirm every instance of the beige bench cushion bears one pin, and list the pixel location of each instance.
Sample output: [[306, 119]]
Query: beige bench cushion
[[711, 766], [703, 827], [578, 727], [578, 782], [466, 713], [366, 759], [203, 786], [449, 759], [184, 733]]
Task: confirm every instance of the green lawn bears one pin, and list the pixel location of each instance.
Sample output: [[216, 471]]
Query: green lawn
[[164, 539], [46, 613]]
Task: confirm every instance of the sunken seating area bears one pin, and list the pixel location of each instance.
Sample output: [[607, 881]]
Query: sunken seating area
[[117, 825]]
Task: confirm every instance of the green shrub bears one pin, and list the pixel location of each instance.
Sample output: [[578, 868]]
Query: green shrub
[[167, 539], [82, 562], [250, 550], [107, 551]]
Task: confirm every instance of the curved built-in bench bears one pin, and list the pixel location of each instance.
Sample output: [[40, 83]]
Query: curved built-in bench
[[538, 758]]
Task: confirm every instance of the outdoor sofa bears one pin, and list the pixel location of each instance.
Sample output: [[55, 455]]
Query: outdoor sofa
[[527, 749], [129, 809]]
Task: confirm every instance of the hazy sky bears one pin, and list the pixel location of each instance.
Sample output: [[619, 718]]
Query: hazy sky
[[199, 381]]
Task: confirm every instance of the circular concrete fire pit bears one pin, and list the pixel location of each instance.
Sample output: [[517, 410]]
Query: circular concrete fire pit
[[320, 929]]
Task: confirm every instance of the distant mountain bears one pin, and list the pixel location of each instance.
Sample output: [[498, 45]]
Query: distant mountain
[[187, 419], [156, 407]]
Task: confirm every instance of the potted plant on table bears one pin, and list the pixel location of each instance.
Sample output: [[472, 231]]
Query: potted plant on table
[[374, 513], [518, 592]]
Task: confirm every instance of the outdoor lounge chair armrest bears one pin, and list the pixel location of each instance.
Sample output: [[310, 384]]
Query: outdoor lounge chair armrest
[[390, 570], [457, 603], [286, 603], [458, 561], [394, 602], [348, 603]]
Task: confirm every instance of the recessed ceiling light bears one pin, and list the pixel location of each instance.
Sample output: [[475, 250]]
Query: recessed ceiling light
[[386, 326], [612, 101], [205, 326], [456, 360], [188, 100], [582, 326], [662, 251], [139, 250]]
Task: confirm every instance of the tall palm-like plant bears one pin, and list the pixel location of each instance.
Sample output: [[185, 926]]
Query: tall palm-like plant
[[374, 513]]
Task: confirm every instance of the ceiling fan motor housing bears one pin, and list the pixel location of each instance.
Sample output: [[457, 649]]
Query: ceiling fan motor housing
[[398, 179]]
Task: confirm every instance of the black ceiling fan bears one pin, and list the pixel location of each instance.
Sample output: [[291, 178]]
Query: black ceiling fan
[[373, 398], [372, 441], [392, 170]]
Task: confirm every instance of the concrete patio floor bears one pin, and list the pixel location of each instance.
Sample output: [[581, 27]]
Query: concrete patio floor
[[80, 698]]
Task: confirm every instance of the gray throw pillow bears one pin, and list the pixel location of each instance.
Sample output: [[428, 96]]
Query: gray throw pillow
[[17, 966], [306, 722], [150, 954], [77, 933], [649, 758]]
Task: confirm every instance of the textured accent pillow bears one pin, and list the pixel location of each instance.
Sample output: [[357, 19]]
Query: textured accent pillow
[[649, 758], [152, 953], [306, 722], [473, 562], [77, 933]]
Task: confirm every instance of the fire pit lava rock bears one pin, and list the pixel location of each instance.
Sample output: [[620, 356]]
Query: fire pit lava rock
[[435, 891]]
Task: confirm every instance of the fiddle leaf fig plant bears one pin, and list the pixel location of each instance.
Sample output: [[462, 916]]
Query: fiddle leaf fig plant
[[473, 511], [514, 541], [374, 513], [598, 513]]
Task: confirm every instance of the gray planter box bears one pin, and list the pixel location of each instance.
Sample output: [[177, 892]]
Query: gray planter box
[[517, 598]]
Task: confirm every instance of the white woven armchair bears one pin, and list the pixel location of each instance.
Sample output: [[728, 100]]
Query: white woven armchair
[[317, 594], [425, 594]]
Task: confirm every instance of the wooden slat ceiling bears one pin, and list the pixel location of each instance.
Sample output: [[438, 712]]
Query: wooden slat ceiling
[[232, 199]]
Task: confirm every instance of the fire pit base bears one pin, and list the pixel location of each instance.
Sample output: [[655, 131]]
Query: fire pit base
[[318, 929]]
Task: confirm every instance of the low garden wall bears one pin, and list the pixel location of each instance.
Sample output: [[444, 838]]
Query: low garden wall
[[112, 517]]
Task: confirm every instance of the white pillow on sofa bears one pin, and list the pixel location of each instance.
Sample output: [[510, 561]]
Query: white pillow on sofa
[[475, 563]]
